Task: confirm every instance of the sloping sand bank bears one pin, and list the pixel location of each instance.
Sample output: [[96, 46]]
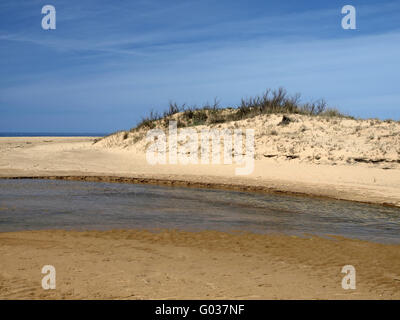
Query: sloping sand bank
[[78, 158], [201, 265], [140, 264]]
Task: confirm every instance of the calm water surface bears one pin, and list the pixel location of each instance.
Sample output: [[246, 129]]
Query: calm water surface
[[47, 204]]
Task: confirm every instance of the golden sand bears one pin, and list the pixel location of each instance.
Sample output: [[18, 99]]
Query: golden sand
[[135, 264]]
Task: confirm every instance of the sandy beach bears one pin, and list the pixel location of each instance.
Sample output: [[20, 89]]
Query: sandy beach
[[138, 264], [80, 158], [199, 150]]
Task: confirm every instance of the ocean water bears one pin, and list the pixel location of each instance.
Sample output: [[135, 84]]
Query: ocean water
[[51, 204], [51, 134]]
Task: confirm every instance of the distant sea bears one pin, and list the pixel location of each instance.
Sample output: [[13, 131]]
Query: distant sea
[[52, 134]]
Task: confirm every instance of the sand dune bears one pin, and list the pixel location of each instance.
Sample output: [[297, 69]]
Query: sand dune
[[304, 139], [340, 158], [331, 157]]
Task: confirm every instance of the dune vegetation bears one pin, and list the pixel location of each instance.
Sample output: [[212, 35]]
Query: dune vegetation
[[271, 102]]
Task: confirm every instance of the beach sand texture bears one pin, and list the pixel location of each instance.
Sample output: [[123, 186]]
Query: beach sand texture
[[138, 264], [346, 159]]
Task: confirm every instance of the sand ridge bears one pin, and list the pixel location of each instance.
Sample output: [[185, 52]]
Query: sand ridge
[[304, 139], [80, 157]]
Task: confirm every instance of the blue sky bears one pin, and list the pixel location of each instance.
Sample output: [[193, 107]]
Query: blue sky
[[108, 63]]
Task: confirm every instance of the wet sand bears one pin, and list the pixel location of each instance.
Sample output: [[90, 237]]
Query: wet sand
[[172, 265], [168, 264]]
